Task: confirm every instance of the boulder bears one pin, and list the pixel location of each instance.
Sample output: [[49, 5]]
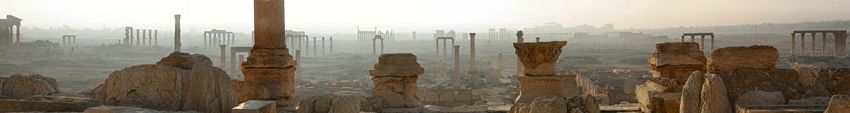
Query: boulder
[[202, 87], [184, 60], [691, 93], [760, 98], [47, 104], [838, 104], [714, 97], [726, 60], [548, 104], [19, 86]]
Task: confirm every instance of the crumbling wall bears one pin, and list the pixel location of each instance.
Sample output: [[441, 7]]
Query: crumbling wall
[[676, 60], [727, 59]]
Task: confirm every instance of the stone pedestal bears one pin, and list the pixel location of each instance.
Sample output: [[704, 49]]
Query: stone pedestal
[[531, 87], [269, 63], [395, 81], [538, 59]]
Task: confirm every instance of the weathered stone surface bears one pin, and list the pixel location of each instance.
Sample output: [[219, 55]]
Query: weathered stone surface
[[714, 96], [18, 86], [184, 60], [548, 104], [726, 60], [124, 109], [809, 101], [539, 58], [839, 104], [249, 91], [665, 102], [531, 87], [745, 80], [331, 103], [397, 64], [691, 93], [395, 81], [46, 104], [676, 60], [760, 98], [203, 88], [558, 104], [256, 106]]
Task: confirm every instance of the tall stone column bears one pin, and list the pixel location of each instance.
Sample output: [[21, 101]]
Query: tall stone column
[[177, 33], [331, 39], [472, 63], [382, 46], [126, 35], [150, 37], [138, 38], [823, 49], [144, 37], [315, 47], [223, 56], [814, 45], [206, 45], [307, 46], [373, 44], [793, 43], [17, 34], [64, 41], [840, 44], [803, 44], [323, 46], [269, 63], [438, 46], [456, 69], [232, 67], [156, 38]]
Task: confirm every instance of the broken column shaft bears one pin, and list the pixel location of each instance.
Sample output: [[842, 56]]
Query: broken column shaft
[[269, 63]]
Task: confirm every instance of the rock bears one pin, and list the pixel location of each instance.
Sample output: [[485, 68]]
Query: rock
[[18, 86], [761, 98], [395, 81], [665, 102], [250, 91], [331, 103], [123, 109], [256, 106], [809, 101], [691, 93], [539, 58], [676, 60], [726, 60], [714, 96], [548, 104], [184, 60], [838, 104], [203, 88]]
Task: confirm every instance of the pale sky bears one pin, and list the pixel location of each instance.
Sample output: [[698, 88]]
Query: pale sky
[[328, 16]]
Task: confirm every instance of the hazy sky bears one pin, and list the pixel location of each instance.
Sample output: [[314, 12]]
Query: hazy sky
[[328, 16]]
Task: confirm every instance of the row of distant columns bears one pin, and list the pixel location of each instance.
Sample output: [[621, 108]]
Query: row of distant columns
[[69, 40], [16, 29], [143, 37], [702, 38], [315, 45], [445, 44], [839, 45], [213, 38]]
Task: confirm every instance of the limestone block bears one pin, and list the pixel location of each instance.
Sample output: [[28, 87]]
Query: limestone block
[[464, 96], [548, 104], [124, 109], [447, 96], [714, 96], [395, 81], [691, 93], [537, 86], [665, 102], [250, 91], [838, 104], [255, 106], [725, 60], [539, 58], [676, 60], [760, 98]]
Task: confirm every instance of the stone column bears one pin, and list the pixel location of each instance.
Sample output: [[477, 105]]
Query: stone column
[[323, 46], [438, 46], [382, 46], [394, 78], [539, 78], [840, 44], [206, 45], [793, 43], [445, 48], [712, 44], [223, 61], [331, 39], [18, 34], [519, 67], [472, 63], [307, 46], [64, 40], [297, 58], [126, 35], [702, 43], [138, 38], [155, 37], [232, 67], [683, 38], [823, 49], [150, 37], [814, 45], [803, 44], [177, 33], [315, 47], [269, 63], [144, 37], [456, 69], [373, 44]]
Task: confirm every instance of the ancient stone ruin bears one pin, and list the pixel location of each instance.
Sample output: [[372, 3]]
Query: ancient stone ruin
[[541, 90], [19, 86], [395, 82], [269, 64], [179, 82]]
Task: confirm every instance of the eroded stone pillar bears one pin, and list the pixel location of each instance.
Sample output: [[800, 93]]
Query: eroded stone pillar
[[814, 44], [395, 81], [269, 63], [456, 69], [138, 38], [323, 46], [472, 62], [315, 47], [803, 44], [793, 43], [539, 78], [223, 62], [177, 33], [840, 44], [331, 39]]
